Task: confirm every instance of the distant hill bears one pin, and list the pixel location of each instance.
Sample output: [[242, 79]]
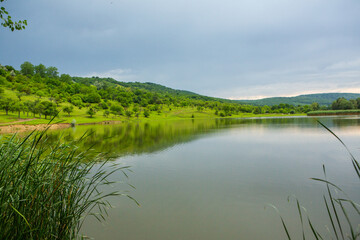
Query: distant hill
[[151, 87], [321, 98]]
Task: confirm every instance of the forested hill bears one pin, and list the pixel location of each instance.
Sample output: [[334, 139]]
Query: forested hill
[[321, 98], [41, 90], [148, 86]]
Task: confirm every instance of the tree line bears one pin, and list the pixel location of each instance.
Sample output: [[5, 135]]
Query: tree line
[[344, 104], [111, 96]]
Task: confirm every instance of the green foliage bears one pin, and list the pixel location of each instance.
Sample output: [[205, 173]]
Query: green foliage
[[333, 112], [6, 104], [146, 113], [66, 78], [47, 108], [322, 99], [17, 107], [117, 109], [91, 112], [106, 93], [128, 113], [27, 69], [343, 104], [52, 72], [7, 21], [46, 188], [68, 109], [41, 70], [106, 113], [92, 97]]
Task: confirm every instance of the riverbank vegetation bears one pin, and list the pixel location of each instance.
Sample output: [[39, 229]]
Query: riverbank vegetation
[[340, 106], [334, 112], [46, 190], [36, 93]]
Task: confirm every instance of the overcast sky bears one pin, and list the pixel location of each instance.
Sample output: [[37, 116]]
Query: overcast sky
[[230, 48]]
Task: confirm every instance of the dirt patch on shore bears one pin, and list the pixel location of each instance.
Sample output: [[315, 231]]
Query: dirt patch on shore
[[27, 128], [13, 128]]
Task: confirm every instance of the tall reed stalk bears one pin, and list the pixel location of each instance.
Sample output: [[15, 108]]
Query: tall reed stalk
[[338, 209], [46, 190]]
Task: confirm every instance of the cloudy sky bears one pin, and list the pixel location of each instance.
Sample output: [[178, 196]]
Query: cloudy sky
[[239, 49]]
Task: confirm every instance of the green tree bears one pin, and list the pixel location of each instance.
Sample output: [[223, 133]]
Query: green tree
[[257, 110], [17, 107], [92, 97], [146, 113], [106, 113], [65, 78], [315, 106], [6, 104], [27, 106], [19, 95], [47, 108], [41, 70], [91, 112], [27, 68], [342, 104], [40, 94], [52, 72], [128, 113], [266, 109], [68, 109], [7, 22], [117, 109], [32, 106]]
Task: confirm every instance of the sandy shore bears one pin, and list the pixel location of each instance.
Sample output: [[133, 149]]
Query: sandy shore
[[13, 128], [25, 128]]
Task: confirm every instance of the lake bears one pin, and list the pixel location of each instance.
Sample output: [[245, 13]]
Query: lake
[[216, 179]]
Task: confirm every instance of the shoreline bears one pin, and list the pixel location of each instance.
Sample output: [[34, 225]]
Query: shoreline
[[14, 128], [17, 128]]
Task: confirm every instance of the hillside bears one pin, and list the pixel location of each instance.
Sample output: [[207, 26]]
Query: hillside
[[36, 93], [148, 86], [321, 98]]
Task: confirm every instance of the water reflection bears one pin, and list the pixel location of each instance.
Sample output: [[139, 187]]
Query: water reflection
[[147, 137], [217, 175]]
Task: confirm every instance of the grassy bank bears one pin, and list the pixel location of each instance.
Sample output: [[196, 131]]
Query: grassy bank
[[80, 116], [333, 112]]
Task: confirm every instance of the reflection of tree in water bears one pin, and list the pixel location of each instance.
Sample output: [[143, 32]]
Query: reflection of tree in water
[[148, 137]]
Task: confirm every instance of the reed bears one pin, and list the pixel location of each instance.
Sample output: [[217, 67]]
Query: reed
[[337, 208], [47, 190]]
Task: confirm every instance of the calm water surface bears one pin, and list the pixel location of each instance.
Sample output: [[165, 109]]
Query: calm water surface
[[211, 179]]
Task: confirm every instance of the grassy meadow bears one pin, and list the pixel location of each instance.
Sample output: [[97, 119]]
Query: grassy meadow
[[80, 116]]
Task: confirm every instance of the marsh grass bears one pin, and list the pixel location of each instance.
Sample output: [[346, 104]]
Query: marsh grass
[[47, 190], [337, 205]]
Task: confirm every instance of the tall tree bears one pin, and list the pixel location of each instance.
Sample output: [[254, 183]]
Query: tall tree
[[52, 72], [6, 104], [27, 68], [41, 70]]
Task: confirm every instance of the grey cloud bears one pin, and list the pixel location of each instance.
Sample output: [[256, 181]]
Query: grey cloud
[[200, 45]]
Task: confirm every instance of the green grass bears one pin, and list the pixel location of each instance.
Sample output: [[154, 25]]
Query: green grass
[[333, 112], [80, 116], [46, 191]]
